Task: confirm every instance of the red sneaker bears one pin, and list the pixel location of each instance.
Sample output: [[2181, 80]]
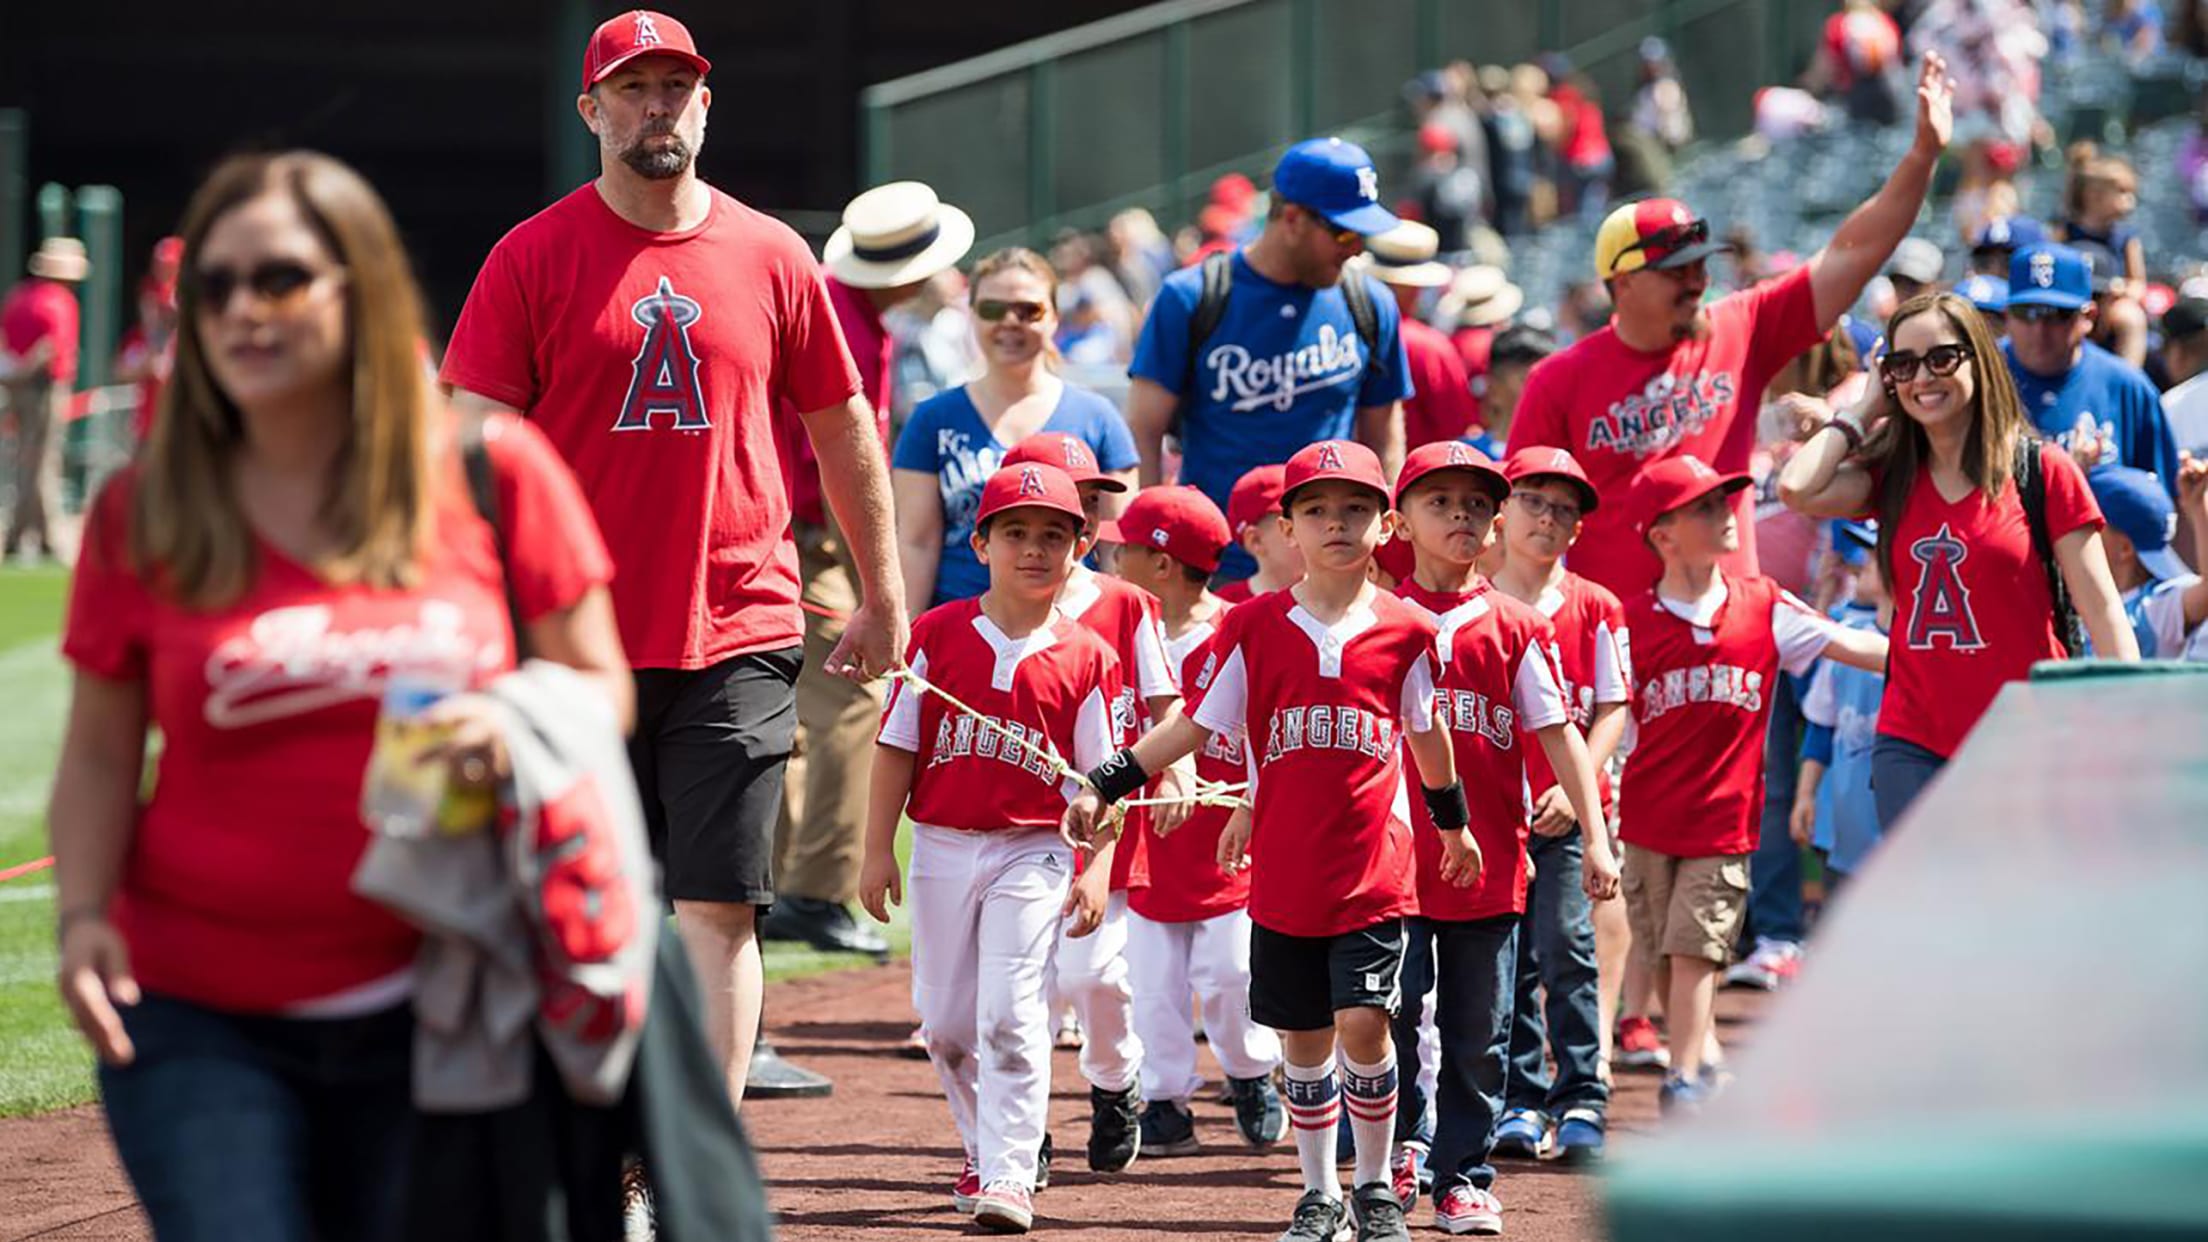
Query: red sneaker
[[968, 1189], [1005, 1207], [1638, 1046]]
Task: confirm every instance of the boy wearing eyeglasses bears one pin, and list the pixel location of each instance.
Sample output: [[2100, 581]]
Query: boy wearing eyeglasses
[[2105, 411], [1559, 947], [1705, 648]]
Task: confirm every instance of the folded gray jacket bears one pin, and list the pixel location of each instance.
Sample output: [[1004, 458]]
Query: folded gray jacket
[[546, 924]]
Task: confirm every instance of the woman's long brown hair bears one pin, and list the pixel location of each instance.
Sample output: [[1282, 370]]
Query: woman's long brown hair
[[1899, 451], [188, 533]]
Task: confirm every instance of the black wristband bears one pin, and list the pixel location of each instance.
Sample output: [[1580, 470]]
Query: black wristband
[[1447, 806], [1118, 776], [1848, 431]]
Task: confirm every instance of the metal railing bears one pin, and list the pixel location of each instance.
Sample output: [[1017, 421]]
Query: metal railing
[[93, 446], [1147, 108]]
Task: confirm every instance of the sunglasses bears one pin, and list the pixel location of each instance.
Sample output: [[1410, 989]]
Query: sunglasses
[[2043, 314], [1342, 237], [1942, 360], [1539, 506], [1668, 241], [991, 310], [275, 283]]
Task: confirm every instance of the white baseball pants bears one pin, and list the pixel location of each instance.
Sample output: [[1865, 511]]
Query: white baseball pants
[[1207, 962], [985, 908], [1093, 978]]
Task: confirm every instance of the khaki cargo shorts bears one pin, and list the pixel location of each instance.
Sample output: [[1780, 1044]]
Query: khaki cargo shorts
[[1685, 907]]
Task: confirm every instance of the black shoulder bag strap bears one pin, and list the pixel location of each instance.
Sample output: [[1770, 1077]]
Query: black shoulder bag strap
[[1357, 291], [2031, 489], [475, 455], [1211, 307]]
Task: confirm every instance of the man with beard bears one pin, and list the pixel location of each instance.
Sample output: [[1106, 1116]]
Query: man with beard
[[651, 325], [1671, 377]]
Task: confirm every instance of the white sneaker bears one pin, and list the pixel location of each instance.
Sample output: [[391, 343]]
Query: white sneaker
[[1772, 966]]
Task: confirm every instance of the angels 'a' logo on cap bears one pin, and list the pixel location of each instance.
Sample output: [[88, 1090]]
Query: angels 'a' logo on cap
[[2043, 270], [1031, 482], [1560, 459], [1330, 456], [1458, 455], [647, 30], [1699, 468], [1077, 455]]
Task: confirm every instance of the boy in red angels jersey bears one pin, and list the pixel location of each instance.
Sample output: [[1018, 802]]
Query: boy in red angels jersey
[[1322, 679], [1496, 685], [1253, 512], [1705, 648], [1189, 927], [991, 878], [1568, 948], [1090, 973]]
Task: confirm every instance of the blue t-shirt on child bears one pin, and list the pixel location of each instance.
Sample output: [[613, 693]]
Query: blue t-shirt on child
[[944, 436], [2101, 398], [1842, 704], [1285, 368]]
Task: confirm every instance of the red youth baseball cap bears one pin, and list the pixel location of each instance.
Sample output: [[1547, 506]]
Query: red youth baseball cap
[[1068, 453], [1676, 482], [1345, 460], [638, 32], [1178, 521], [1534, 463], [1256, 496], [1450, 455], [1031, 485]]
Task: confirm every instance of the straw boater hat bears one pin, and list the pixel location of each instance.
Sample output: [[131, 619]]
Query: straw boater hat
[[61, 258], [1480, 297], [1404, 255], [897, 234]]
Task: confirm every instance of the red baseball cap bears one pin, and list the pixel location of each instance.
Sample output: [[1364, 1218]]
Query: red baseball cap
[[1178, 521], [638, 32], [1030, 485], [1533, 463], [1396, 557], [1071, 454], [1450, 455], [1676, 482], [1655, 232], [1256, 495], [1346, 460]]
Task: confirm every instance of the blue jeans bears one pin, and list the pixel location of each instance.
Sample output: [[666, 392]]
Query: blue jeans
[[276, 1129], [1899, 772], [1556, 953], [1775, 869], [1475, 962]]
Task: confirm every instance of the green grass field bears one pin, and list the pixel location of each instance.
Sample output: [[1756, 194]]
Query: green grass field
[[45, 1065]]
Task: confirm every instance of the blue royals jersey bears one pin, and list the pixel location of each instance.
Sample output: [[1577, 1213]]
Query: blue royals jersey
[[1285, 368], [1845, 700], [2102, 398]]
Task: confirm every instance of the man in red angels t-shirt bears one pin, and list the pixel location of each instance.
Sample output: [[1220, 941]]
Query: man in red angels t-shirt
[[1670, 376], [651, 325]]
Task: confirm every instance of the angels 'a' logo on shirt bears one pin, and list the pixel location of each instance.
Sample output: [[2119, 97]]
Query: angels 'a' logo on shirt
[[1940, 606], [663, 377]]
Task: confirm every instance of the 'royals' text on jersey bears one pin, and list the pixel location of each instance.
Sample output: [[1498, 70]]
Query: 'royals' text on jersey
[[1330, 703]]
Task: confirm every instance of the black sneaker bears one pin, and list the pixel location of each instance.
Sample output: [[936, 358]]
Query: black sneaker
[[1042, 1166], [1167, 1129], [1319, 1218], [1379, 1214], [1257, 1111], [1115, 1132]]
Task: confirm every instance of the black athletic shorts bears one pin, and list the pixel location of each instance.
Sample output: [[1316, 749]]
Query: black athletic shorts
[[1297, 982], [709, 752]]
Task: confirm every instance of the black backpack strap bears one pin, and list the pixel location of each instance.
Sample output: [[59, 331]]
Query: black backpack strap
[[2031, 490], [1211, 307], [475, 456], [1357, 291]]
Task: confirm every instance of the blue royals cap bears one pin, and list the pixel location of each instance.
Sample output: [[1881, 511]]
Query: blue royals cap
[[1990, 294], [1336, 179], [1854, 541], [2009, 232], [2135, 503], [2048, 274]]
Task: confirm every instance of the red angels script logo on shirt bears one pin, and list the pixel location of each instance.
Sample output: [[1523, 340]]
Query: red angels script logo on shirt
[[290, 661], [663, 377], [1940, 606]]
